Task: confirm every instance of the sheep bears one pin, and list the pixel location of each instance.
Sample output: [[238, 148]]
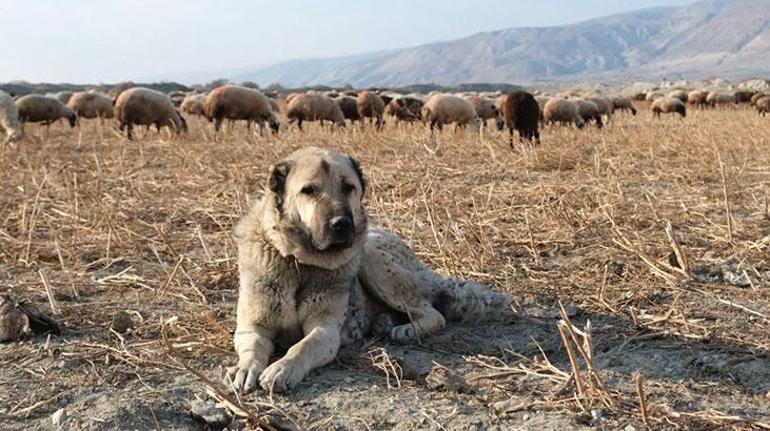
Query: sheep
[[63, 96], [177, 97], [651, 96], [234, 102], [443, 109], [604, 104], [589, 111], [87, 104], [763, 106], [680, 94], [35, 108], [562, 111], [486, 109], [370, 106], [668, 105], [620, 103], [193, 104], [314, 107], [756, 97], [349, 107], [714, 99], [405, 108], [522, 113], [9, 119], [541, 102], [143, 106], [744, 96], [698, 98]]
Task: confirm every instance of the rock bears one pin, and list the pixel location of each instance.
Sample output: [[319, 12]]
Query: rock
[[213, 415], [442, 378], [59, 417], [740, 280], [122, 322], [13, 322]]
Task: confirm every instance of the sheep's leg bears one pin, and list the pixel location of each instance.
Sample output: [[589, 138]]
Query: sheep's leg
[[129, 128], [510, 136], [299, 124]]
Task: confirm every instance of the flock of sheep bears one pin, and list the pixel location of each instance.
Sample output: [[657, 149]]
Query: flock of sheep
[[518, 111]]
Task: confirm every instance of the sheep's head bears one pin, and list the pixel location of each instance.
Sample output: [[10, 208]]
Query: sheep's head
[[72, 118], [580, 123], [499, 122], [180, 124], [475, 124], [274, 124], [681, 110]]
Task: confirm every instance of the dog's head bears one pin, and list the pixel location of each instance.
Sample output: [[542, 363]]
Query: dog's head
[[313, 207]]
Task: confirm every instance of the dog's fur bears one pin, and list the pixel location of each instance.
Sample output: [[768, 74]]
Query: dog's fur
[[311, 288]]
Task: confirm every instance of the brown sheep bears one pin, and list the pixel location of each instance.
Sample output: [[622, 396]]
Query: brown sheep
[[405, 108], [371, 106], [756, 97], [651, 96], [763, 106], [35, 108], [147, 107], [744, 96], [522, 113], [623, 104], [563, 112], [91, 105], [314, 107], [604, 104], [668, 105], [486, 110], [233, 102], [349, 107], [698, 98], [589, 111]]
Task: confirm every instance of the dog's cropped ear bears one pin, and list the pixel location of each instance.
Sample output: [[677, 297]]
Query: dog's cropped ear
[[359, 172], [276, 183]]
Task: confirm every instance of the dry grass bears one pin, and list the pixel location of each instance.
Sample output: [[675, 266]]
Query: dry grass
[[620, 223]]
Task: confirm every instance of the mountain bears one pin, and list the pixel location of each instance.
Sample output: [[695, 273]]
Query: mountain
[[729, 38]]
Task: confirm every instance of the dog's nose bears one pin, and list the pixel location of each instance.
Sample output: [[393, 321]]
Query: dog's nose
[[341, 224]]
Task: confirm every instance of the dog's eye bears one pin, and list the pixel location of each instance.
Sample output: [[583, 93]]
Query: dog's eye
[[348, 188], [309, 190]]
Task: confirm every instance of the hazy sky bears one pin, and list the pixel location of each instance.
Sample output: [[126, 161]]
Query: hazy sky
[[111, 40]]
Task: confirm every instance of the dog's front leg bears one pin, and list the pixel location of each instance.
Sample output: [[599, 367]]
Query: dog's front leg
[[253, 343], [319, 347]]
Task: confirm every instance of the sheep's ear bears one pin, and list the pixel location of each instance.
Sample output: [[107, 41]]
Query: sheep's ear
[[357, 168], [276, 182]]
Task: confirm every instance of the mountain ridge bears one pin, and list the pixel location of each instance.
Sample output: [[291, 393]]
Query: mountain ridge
[[727, 37]]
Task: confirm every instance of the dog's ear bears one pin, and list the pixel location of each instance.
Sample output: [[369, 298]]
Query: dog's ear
[[359, 172], [276, 182]]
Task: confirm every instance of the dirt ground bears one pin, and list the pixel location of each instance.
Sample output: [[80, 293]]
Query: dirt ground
[[666, 305]]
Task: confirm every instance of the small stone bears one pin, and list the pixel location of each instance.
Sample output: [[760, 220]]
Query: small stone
[[58, 417], [122, 322], [13, 322], [630, 428], [213, 415]]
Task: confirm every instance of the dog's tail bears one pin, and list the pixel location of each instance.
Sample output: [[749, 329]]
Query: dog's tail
[[470, 302]]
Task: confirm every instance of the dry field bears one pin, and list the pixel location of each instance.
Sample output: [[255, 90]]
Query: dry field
[[666, 304]]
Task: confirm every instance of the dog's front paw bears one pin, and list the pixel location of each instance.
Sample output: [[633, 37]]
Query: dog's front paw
[[403, 333], [244, 375], [281, 376]]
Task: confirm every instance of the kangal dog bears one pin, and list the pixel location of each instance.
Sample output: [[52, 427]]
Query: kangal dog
[[314, 275]]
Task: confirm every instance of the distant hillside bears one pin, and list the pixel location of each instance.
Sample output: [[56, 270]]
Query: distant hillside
[[714, 37]]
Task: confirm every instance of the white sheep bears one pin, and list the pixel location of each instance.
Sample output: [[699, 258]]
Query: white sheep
[[147, 107], [9, 119], [443, 109], [562, 111]]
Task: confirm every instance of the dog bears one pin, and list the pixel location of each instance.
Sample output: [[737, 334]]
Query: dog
[[314, 275]]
